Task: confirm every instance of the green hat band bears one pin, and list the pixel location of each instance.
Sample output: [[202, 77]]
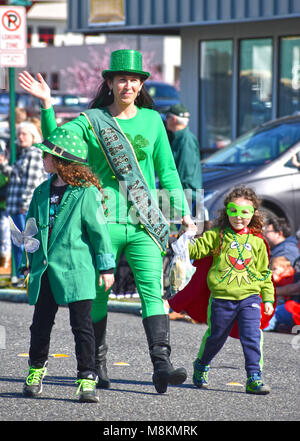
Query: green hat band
[[65, 144], [126, 60], [62, 153]]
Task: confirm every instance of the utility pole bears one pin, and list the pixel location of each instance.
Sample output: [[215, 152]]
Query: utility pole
[[12, 22]]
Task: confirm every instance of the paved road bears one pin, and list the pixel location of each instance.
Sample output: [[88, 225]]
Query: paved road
[[132, 397]]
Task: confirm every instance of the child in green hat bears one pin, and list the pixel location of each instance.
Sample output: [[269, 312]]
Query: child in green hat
[[74, 245]]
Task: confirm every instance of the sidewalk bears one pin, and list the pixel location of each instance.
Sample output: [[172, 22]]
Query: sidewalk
[[20, 296]]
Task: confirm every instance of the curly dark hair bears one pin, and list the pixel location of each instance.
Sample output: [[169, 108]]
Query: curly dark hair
[[256, 223], [77, 175]]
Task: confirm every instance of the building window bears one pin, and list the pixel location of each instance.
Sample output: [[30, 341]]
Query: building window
[[54, 81], [215, 92], [29, 36], [46, 35], [255, 83], [106, 12], [289, 76]]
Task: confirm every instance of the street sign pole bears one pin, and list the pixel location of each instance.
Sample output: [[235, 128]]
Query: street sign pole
[[12, 119], [12, 142], [13, 54]]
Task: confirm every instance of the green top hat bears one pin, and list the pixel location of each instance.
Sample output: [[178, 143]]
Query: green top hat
[[125, 60], [65, 144]]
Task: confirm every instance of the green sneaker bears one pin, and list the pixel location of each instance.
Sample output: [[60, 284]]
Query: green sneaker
[[200, 376], [256, 386], [34, 382], [87, 390]]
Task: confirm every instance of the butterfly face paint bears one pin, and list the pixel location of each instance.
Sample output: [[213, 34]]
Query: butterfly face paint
[[244, 211]]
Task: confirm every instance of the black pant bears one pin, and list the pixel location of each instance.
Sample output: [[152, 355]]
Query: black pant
[[81, 324]]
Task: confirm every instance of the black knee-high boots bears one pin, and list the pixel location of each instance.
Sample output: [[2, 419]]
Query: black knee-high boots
[[157, 328], [100, 353]]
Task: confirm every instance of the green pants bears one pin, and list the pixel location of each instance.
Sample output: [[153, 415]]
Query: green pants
[[145, 260]]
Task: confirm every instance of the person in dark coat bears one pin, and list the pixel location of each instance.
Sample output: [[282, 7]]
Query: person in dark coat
[[279, 237], [185, 148]]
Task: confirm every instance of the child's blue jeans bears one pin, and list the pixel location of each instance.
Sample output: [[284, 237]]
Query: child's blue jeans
[[221, 316]]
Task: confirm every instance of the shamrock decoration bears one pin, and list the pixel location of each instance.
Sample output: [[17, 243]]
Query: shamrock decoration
[[138, 143], [25, 237]]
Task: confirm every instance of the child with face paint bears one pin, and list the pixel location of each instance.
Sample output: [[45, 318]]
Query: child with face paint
[[239, 279]]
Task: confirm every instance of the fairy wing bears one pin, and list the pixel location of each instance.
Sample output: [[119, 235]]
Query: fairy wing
[[16, 235], [30, 228], [31, 244]]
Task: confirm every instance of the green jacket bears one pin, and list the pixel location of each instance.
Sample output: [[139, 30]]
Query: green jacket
[[185, 149], [79, 243]]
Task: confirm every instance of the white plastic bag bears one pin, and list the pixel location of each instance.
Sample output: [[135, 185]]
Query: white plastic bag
[[181, 269]]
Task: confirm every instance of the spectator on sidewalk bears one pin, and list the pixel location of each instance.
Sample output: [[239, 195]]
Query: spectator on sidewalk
[[185, 148], [23, 177], [281, 242], [287, 313], [283, 274]]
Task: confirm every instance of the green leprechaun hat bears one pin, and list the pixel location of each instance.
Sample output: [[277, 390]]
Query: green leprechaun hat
[[65, 144], [126, 60]]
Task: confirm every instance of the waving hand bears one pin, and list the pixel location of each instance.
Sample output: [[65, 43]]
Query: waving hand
[[36, 87]]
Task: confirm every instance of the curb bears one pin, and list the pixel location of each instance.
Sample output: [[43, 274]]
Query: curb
[[20, 296]]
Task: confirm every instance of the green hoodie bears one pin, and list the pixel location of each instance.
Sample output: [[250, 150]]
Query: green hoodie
[[229, 278]]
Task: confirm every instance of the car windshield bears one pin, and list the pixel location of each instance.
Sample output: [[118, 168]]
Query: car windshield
[[159, 91], [4, 99], [23, 100], [257, 147], [68, 100]]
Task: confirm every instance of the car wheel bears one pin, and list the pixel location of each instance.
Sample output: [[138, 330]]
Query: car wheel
[[267, 214]]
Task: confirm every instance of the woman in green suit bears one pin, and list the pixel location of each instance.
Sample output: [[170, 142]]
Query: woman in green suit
[[73, 243], [128, 146]]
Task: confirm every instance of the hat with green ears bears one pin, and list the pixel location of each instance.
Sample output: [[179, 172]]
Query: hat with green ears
[[65, 144], [126, 60]]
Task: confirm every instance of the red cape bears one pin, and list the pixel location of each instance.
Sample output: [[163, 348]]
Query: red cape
[[294, 308], [193, 299]]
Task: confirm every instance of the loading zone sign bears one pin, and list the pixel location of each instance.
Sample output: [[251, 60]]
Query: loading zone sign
[[13, 44]]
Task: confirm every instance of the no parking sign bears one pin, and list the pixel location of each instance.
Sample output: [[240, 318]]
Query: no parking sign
[[13, 44]]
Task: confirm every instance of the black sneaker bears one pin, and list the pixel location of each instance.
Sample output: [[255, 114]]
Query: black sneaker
[[33, 386], [87, 390]]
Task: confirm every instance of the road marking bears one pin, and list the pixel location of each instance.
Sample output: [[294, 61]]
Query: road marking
[[51, 355], [59, 355], [233, 383], [121, 363]]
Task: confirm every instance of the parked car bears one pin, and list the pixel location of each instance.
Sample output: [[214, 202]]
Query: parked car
[[23, 100], [67, 106], [264, 159], [164, 95]]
